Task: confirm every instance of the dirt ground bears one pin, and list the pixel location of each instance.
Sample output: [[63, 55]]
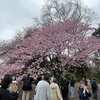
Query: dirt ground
[[70, 98]]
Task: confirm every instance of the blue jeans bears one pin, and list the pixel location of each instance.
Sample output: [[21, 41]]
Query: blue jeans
[[72, 90]]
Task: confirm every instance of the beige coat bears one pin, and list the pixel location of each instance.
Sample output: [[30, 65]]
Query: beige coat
[[55, 92]]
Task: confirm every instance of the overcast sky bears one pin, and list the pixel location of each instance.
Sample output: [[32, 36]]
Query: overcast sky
[[17, 14]]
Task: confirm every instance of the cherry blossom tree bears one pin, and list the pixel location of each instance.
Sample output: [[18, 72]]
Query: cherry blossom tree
[[7, 45], [67, 42], [96, 33]]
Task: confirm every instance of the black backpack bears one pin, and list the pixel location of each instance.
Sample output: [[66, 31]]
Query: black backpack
[[27, 83], [94, 86]]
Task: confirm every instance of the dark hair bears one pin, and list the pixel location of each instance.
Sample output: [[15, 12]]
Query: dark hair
[[39, 78], [6, 81], [55, 80], [28, 74], [72, 77], [46, 77]]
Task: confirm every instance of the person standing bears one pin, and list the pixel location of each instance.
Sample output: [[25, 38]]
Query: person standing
[[83, 92], [95, 88], [65, 88], [84, 81], [72, 86], [4, 93], [51, 79], [43, 89], [39, 78], [10, 88], [14, 80], [27, 86], [55, 91], [88, 81]]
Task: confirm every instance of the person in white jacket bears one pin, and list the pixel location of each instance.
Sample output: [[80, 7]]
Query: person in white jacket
[[55, 91], [42, 90]]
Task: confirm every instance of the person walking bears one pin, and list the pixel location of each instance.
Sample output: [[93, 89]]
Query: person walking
[[4, 93], [43, 89], [55, 91], [65, 88], [27, 86], [72, 86], [95, 88]]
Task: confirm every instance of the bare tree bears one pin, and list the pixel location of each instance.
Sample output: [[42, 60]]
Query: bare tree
[[60, 10]]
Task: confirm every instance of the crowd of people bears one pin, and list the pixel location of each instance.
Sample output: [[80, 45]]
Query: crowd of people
[[46, 88]]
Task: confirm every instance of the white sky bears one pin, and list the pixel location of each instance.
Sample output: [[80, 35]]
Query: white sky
[[17, 14]]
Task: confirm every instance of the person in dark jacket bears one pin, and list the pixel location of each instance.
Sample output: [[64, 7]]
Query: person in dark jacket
[[4, 93], [27, 86], [95, 88], [84, 93], [65, 88]]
